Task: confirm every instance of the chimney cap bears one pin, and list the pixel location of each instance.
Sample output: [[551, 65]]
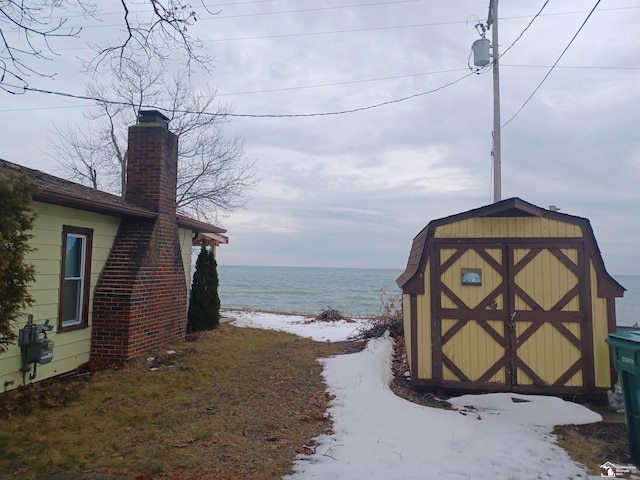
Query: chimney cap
[[153, 116]]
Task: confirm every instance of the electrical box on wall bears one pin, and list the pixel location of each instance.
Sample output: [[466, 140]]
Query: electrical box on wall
[[35, 347], [40, 351]]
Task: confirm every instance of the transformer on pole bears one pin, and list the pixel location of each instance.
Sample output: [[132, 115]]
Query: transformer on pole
[[481, 57]]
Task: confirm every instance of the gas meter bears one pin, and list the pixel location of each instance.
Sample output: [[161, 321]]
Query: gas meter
[[35, 347]]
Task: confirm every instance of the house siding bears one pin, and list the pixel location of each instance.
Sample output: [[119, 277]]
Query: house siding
[[140, 259], [186, 250], [71, 348]]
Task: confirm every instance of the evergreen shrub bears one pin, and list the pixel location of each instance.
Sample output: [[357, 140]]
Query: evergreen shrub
[[204, 303], [16, 221]]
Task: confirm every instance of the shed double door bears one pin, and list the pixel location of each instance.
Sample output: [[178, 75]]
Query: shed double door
[[511, 316]]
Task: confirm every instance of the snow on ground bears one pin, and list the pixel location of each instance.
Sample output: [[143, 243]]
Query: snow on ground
[[378, 435], [297, 324]]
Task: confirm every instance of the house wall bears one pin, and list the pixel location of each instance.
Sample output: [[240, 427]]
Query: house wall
[[71, 348], [185, 250]]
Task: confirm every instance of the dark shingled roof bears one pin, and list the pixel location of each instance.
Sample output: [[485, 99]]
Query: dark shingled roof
[[62, 192]]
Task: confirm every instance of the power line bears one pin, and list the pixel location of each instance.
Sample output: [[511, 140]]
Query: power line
[[350, 82], [333, 32], [329, 32], [299, 34], [586, 67], [525, 29], [283, 89], [257, 14], [315, 9], [553, 66], [360, 109], [251, 115], [208, 8], [486, 68]]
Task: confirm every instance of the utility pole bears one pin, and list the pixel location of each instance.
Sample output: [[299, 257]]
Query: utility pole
[[492, 20]]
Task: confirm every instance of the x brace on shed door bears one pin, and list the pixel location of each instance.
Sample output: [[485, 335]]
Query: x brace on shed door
[[523, 327]]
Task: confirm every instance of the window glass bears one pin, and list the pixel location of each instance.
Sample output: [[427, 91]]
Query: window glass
[[74, 278], [71, 303], [75, 253]]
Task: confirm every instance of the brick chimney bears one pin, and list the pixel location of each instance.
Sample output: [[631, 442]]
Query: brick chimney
[[140, 299]]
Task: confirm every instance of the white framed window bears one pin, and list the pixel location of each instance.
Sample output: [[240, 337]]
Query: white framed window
[[75, 277]]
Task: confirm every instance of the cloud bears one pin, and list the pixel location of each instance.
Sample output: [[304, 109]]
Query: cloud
[[353, 189]]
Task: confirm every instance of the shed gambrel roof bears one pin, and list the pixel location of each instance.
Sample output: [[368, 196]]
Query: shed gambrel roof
[[511, 207], [58, 191]]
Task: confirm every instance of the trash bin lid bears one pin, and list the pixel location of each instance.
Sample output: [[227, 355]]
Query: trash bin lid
[[624, 338]]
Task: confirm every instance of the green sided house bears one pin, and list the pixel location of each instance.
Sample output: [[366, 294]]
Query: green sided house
[[112, 273]]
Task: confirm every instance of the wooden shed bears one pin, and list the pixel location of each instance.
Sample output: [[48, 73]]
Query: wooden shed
[[509, 297]]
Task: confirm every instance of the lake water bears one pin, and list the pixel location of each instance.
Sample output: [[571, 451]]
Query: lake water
[[628, 307], [306, 290], [353, 291]]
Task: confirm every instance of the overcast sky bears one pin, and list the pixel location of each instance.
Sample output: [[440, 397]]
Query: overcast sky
[[352, 190]]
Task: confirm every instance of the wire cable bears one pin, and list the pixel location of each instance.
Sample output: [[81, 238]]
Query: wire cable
[[523, 31], [585, 67], [552, 67], [251, 115], [302, 87], [487, 67], [335, 84]]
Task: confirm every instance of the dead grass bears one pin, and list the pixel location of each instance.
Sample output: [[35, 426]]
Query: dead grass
[[235, 404], [593, 444]]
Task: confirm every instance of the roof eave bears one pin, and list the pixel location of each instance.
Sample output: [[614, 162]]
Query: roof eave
[[197, 226], [58, 198]]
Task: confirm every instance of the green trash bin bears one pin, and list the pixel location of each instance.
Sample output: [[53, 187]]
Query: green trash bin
[[626, 355]]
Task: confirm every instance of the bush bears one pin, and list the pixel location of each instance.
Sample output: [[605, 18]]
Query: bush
[[330, 314], [17, 220], [389, 319], [204, 303]]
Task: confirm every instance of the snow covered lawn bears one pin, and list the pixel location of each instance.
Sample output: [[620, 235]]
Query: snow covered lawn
[[380, 436]]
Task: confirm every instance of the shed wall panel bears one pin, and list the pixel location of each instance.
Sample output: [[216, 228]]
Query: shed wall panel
[[508, 227], [406, 325], [471, 295], [601, 352], [548, 354], [425, 365], [546, 280], [473, 350]]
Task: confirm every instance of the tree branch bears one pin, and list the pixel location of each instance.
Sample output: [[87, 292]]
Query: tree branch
[[162, 37], [214, 172]]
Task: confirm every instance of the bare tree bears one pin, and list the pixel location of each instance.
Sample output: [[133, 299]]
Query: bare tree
[[157, 31], [214, 172], [81, 154]]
